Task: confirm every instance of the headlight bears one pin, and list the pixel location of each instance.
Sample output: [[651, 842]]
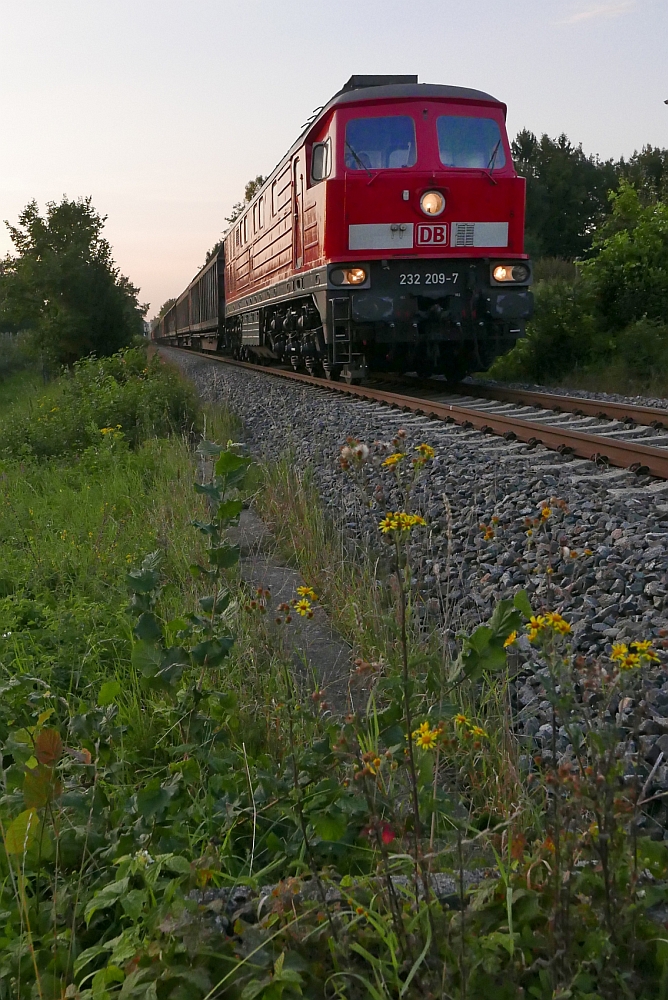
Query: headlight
[[432, 203], [510, 272], [348, 276]]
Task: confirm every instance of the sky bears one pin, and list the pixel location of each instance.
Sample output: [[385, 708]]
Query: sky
[[161, 110]]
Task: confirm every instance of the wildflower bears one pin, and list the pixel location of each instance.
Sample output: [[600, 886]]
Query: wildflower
[[478, 731], [400, 521], [427, 740], [461, 720], [426, 737], [554, 621], [645, 650], [302, 606], [360, 452], [545, 513], [619, 651], [425, 451], [510, 640], [307, 592], [394, 459], [551, 621]]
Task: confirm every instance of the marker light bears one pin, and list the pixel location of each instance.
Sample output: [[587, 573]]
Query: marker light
[[510, 272], [432, 203], [348, 276]]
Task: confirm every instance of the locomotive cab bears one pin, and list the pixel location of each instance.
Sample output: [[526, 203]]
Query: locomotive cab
[[424, 239]]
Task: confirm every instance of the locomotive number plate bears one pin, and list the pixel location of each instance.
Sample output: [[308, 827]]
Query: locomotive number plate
[[430, 278]]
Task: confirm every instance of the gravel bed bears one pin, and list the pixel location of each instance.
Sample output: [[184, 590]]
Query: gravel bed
[[607, 545], [612, 397]]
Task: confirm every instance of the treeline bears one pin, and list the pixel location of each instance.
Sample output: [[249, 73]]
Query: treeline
[[568, 192]]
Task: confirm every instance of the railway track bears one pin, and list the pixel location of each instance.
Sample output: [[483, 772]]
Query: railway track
[[608, 433]]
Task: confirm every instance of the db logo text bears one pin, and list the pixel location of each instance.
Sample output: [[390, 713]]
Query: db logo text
[[432, 235]]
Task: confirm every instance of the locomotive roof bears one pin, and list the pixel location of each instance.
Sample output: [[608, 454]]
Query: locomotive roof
[[353, 95]]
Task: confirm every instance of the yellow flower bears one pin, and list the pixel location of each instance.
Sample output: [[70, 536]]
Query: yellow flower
[[629, 662], [478, 731], [554, 621], [545, 513], [426, 737], [389, 523], [425, 451], [645, 650], [461, 720], [619, 651], [400, 521], [510, 640], [303, 606], [307, 592], [392, 460]]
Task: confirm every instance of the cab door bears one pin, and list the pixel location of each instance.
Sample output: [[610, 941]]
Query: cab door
[[297, 212]]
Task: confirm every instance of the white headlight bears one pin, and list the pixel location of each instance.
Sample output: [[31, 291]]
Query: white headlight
[[348, 276], [432, 203]]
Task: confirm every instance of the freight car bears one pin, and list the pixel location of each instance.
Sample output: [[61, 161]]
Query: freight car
[[389, 237]]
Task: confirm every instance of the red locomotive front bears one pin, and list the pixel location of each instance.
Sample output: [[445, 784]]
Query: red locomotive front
[[390, 237]]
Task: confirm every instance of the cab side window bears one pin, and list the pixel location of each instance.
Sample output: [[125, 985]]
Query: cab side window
[[321, 161]]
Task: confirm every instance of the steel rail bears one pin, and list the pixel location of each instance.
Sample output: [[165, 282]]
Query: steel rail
[[598, 448], [653, 416]]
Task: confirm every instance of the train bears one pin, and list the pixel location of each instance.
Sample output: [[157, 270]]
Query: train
[[390, 237]]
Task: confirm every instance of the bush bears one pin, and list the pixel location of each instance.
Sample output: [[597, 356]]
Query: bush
[[560, 337], [605, 329], [123, 393]]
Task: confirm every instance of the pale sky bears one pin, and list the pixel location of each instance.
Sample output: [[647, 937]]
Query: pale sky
[[161, 110]]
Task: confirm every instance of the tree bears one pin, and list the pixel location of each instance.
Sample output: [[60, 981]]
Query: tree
[[647, 171], [165, 307], [567, 194], [251, 189], [63, 285], [629, 272]]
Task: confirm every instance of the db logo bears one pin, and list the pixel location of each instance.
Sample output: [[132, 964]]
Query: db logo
[[431, 234]]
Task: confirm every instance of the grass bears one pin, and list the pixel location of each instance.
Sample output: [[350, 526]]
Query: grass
[[156, 742]]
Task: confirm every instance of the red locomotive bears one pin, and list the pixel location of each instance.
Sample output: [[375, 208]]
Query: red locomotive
[[389, 237]]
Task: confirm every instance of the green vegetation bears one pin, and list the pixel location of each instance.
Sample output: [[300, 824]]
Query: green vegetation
[[158, 744], [63, 286], [604, 327]]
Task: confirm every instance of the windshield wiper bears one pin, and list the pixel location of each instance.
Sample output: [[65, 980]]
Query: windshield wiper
[[490, 166], [358, 160]]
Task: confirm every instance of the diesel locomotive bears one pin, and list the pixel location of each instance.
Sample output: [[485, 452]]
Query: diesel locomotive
[[390, 237]]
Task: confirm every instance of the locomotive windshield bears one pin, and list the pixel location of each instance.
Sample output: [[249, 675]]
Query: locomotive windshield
[[470, 142], [380, 143]]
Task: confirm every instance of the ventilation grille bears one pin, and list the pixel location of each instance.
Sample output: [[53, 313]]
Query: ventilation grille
[[464, 234]]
